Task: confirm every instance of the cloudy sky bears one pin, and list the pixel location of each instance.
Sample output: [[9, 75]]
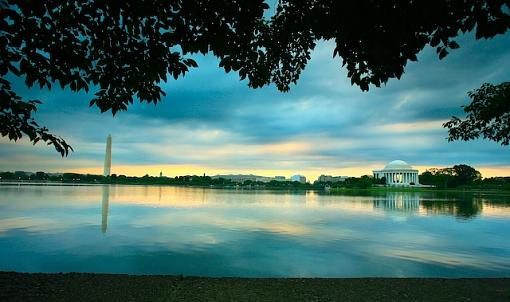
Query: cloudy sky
[[210, 122]]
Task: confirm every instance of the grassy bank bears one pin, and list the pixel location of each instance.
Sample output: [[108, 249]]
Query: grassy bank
[[104, 287]]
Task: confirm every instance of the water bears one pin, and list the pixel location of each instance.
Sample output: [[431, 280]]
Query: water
[[214, 232]]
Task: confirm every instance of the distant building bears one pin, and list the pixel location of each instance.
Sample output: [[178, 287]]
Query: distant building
[[238, 177], [399, 173], [329, 178], [298, 178], [280, 178], [161, 174], [263, 179], [58, 174]]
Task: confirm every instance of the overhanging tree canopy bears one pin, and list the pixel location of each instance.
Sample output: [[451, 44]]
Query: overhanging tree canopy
[[123, 50], [488, 115]]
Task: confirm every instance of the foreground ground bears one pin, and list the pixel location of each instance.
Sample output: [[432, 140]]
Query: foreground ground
[[104, 287]]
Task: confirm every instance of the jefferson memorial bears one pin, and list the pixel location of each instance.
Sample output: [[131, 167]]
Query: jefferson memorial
[[398, 172]]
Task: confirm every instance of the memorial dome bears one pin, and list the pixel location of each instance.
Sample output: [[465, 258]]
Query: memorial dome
[[398, 165]]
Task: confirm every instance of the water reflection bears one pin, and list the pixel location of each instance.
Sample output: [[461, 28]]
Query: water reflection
[[464, 209], [397, 202], [462, 206], [104, 208], [201, 231]]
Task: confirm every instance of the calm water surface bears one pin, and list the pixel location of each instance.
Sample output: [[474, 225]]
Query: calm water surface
[[212, 232]]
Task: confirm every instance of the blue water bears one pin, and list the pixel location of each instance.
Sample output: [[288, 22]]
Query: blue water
[[214, 232]]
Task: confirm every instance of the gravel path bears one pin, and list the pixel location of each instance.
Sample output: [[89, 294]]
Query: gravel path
[[107, 287]]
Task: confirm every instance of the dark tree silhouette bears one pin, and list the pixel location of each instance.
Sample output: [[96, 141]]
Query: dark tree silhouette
[[458, 175], [488, 115], [123, 50], [466, 175]]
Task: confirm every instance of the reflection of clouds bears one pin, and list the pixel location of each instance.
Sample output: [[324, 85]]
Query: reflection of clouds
[[398, 218], [308, 234], [226, 221], [457, 259], [491, 210], [266, 211], [179, 197], [37, 197], [57, 222], [33, 224]]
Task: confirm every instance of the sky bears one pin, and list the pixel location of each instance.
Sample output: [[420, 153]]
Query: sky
[[211, 122]]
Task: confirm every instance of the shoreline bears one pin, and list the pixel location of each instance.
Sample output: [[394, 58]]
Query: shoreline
[[421, 190], [332, 191], [115, 287]]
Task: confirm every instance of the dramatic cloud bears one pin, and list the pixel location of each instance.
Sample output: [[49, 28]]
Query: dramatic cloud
[[210, 122]]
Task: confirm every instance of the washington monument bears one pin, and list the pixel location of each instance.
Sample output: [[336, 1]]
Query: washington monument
[[108, 156]]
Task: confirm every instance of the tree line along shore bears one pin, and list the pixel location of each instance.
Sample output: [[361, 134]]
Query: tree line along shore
[[456, 178]]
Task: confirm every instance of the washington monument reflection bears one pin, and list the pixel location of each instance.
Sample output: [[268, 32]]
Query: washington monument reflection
[[104, 208]]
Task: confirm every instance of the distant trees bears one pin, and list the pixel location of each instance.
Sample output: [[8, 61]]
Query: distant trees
[[458, 175], [466, 175], [71, 176], [380, 181], [496, 183], [365, 181], [40, 175], [20, 175], [362, 182], [6, 175]]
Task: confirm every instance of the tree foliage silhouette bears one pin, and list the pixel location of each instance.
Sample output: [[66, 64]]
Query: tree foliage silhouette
[[488, 115], [123, 50]]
